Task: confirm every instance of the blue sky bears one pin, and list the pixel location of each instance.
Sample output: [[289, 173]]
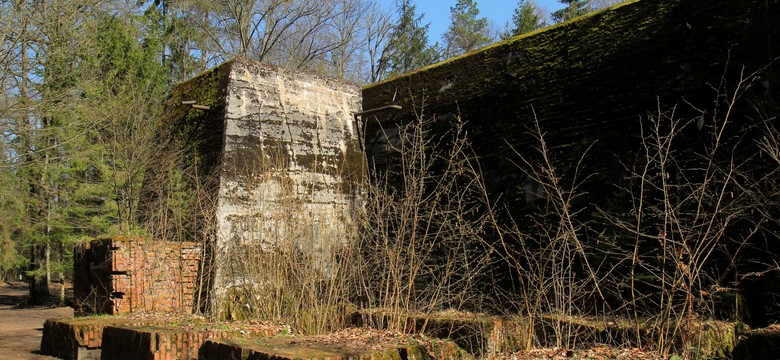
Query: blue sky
[[437, 12]]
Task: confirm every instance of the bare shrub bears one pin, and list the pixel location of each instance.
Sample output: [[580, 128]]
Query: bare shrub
[[697, 206], [700, 196], [548, 254], [288, 253], [417, 248], [177, 202], [425, 218]]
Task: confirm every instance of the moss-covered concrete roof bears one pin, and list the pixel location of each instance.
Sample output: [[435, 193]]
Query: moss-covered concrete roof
[[505, 42]]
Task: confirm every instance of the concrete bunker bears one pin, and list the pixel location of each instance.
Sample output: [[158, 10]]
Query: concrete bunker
[[278, 152], [273, 157], [591, 85]]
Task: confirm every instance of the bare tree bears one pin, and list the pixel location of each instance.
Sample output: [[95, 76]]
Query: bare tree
[[255, 28], [326, 37], [379, 26]]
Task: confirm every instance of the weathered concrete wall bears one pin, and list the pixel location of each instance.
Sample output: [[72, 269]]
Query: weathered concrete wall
[[589, 82], [290, 142], [592, 84], [290, 170], [181, 182], [350, 344], [276, 158]]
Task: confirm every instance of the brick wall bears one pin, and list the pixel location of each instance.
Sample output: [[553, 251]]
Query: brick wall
[[125, 275], [142, 337], [81, 338], [169, 342]]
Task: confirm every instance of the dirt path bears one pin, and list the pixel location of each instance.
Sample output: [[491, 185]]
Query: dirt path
[[20, 328]]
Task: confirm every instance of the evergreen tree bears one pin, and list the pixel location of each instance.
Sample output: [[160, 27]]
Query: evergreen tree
[[408, 47], [120, 78], [83, 82], [467, 31], [526, 18], [46, 137], [12, 211], [600, 4], [174, 25], [93, 78], [573, 9]]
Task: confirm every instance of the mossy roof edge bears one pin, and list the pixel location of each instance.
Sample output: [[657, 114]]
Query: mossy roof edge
[[204, 74], [518, 38]]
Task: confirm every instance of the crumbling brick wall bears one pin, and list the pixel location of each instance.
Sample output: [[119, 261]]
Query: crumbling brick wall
[[125, 275]]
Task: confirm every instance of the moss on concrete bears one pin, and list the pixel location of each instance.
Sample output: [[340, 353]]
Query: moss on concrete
[[330, 347], [506, 42], [587, 81], [591, 84], [196, 129]]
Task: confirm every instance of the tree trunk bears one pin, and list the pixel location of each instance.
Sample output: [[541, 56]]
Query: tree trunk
[[48, 263], [39, 286], [61, 273]]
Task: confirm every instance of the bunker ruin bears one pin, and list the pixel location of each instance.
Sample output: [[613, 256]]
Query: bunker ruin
[[277, 153], [277, 161], [276, 157]]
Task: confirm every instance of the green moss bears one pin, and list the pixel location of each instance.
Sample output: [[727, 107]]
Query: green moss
[[286, 347], [712, 339], [207, 89], [95, 320], [232, 306], [289, 347]]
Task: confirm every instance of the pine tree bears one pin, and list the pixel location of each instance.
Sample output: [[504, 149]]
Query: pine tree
[[526, 18], [120, 78], [90, 70], [408, 47], [173, 24], [46, 139], [573, 9], [467, 31]]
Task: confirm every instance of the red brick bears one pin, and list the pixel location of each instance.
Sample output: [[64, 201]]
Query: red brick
[[151, 275]]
